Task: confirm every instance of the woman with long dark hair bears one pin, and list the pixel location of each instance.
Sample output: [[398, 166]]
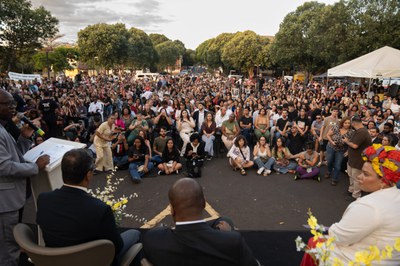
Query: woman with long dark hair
[[239, 155], [139, 159], [170, 159]]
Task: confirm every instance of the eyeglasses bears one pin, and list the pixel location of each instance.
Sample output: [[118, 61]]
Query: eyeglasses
[[9, 103]]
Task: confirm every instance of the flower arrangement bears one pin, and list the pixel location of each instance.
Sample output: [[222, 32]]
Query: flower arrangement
[[321, 253], [106, 195]]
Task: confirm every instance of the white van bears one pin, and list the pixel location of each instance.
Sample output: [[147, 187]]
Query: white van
[[152, 76]]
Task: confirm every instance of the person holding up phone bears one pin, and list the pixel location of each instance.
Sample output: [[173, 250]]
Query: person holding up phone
[[139, 160]]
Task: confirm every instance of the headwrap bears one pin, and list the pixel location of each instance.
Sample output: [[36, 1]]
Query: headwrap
[[385, 161]]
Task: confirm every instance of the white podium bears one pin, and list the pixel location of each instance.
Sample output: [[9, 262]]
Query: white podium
[[51, 177]]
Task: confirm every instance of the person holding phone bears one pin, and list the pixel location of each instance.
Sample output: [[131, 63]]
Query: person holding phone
[[139, 160]]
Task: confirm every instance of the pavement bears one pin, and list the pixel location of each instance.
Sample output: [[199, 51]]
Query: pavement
[[253, 202]]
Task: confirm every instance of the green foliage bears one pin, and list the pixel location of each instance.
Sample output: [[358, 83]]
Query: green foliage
[[61, 59], [189, 58], [158, 38], [168, 52], [141, 50], [22, 29], [105, 43], [245, 50]]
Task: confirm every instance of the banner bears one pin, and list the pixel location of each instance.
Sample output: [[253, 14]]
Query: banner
[[19, 76]]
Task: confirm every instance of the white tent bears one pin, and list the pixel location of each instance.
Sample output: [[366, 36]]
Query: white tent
[[381, 63]]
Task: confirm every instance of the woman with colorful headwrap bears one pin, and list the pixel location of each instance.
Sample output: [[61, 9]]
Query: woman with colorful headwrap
[[374, 219]]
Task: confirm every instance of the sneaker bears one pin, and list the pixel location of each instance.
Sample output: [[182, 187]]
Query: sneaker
[[260, 171], [161, 172], [296, 177], [319, 164], [318, 178], [268, 171]]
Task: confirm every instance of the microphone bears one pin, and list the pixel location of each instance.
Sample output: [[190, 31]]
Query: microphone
[[26, 120]]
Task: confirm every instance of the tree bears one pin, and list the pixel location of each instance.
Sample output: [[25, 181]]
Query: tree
[[202, 50], [245, 51], [295, 43], [104, 43], [61, 59], [141, 50], [168, 52], [189, 58], [158, 38], [22, 29]]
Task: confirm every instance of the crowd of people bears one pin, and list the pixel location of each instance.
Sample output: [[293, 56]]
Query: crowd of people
[[290, 127], [140, 125]]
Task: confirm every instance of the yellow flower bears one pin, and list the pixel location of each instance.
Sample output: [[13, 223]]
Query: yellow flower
[[312, 222], [389, 250], [316, 234], [384, 255], [124, 201], [109, 203], [330, 241], [374, 253], [397, 244], [337, 262], [319, 244]]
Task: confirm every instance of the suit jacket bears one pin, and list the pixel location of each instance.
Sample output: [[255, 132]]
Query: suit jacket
[[196, 119], [14, 171], [70, 216], [196, 245]]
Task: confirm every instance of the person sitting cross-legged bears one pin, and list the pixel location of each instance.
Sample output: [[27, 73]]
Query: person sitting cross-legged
[[308, 161], [194, 241], [239, 155], [263, 157], [139, 160], [170, 159], [70, 216]]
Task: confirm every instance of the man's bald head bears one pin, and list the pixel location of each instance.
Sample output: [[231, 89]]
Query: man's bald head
[[187, 200]]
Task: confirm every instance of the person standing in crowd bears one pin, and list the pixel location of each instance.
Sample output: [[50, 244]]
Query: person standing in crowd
[[48, 108], [359, 141], [336, 148], [329, 122], [104, 136], [70, 216], [199, 116], [14, 176]]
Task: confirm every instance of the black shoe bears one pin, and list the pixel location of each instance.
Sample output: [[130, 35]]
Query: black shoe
[[96, 172], [136, 181]]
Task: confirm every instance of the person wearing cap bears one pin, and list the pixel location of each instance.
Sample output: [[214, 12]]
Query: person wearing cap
[[373, 219], [356, 144]]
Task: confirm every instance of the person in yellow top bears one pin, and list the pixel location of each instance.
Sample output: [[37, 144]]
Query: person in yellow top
[[104, 136]]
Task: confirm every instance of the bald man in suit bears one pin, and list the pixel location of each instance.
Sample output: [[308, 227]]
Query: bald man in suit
[[193, 241]]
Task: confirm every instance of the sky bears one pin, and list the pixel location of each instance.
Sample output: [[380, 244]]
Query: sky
[[189, 21]]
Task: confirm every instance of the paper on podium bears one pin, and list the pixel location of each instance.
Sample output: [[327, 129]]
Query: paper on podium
[[55, 148]]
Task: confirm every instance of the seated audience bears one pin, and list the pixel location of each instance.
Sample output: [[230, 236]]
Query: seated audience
[[185, 126], [263, 157], [230, 130], [308, 161], [159, 145], [193, 241], [139, 160], [208, 129], [261, 125], [170, 159], [246, 125], [120, 149], [282, 157], [70, 216], [239, 155]]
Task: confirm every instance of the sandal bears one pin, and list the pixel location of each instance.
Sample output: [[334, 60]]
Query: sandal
[[242, 171]]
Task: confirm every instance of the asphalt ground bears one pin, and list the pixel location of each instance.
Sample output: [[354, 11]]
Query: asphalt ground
[[253, 202]]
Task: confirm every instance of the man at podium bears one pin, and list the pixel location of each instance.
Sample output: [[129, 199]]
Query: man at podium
[[14, 171]]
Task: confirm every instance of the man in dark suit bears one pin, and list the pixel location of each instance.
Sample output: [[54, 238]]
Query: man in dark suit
[[199, 116], [193, 241], [70, 216]]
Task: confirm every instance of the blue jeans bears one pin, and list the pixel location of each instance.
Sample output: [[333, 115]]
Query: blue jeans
[[284, 169], [266, 165], [129, 238], [133, 169], [209, 144], [246, 132], [157, 159], [120, 160], [334, 159]]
